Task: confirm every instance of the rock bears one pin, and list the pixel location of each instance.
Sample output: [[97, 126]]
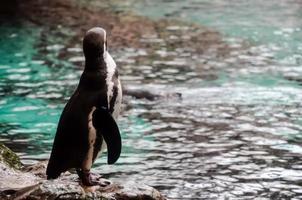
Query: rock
[[9, 157], [68, 187], [145, 94], [30, 183], [11, 178]]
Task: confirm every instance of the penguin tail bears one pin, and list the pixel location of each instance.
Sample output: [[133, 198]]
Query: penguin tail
[[52, 172], [52, 176]]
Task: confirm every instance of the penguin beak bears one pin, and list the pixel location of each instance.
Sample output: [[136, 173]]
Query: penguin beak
[[105, 124]]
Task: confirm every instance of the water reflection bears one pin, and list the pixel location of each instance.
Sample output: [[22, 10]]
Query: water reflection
[[214, 149], [275, 24]]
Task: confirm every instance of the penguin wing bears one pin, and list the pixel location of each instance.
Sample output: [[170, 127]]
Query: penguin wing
[[105, 124]]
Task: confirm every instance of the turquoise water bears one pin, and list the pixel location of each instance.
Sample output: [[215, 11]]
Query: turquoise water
[[30, 90], [236, 132]]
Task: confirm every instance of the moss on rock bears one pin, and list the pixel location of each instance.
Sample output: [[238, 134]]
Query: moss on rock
[[9, 157]]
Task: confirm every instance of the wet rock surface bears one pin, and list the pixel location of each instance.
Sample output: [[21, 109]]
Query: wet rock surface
[[68, 188], [31, 183]]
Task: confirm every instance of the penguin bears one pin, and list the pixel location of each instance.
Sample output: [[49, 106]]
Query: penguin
[[88, 122]]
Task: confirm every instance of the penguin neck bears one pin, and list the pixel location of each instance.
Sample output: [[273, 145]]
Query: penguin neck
[[95, 63]]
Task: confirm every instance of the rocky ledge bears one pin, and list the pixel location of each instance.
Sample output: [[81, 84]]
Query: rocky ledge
[[17, 182]]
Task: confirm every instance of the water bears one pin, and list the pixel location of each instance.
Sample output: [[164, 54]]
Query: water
[[32, 93], [235, 133], [276, 25]]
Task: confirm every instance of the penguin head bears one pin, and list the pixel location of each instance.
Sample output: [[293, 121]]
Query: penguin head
[[95, 44]]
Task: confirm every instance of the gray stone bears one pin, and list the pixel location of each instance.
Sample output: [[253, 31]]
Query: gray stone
[[30, 183]]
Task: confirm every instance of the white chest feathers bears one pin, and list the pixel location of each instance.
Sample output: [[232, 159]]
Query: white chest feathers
[[111, 69]]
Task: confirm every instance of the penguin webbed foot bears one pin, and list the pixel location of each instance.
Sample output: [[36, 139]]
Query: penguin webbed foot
[[89, 179]]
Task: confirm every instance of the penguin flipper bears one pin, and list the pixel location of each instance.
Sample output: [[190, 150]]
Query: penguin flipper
[[105, 124]]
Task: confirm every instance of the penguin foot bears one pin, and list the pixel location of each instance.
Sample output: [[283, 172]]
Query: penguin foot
[[88, 179]]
